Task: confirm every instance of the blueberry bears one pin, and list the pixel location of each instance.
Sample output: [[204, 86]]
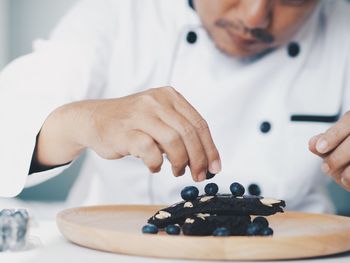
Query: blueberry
[[267, 231], [150, 229], [254, 189], [262, 221], [211, 189], [221, 232], [173, 230], [237, 189], [253, 229], [189, 193]]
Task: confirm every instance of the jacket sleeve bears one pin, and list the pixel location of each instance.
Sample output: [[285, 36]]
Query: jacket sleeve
[[70, 66]]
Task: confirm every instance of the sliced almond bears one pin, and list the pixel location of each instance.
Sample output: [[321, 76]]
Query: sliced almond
[[163, 215], [269, 201], [202, 216], [188, 204], [206, 198], [189, 221]]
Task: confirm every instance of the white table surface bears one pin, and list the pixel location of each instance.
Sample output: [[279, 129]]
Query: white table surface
[[46, 244]]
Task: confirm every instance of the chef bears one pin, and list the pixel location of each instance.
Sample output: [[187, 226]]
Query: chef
[[164, 94]]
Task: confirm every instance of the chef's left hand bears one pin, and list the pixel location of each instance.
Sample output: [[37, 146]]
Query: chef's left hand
[[333, 147]]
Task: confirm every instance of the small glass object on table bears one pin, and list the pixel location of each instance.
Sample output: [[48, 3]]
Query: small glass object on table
[[13, 229]]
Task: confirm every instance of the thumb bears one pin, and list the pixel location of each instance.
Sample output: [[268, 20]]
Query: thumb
[[312, 144]]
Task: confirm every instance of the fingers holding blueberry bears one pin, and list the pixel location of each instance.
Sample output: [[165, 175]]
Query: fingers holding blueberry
[[333, 146]]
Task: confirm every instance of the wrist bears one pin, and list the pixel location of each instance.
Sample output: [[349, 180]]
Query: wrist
[[60, 139]]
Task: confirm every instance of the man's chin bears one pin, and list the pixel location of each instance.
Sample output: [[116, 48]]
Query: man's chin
[[233, 52], [236, 52]]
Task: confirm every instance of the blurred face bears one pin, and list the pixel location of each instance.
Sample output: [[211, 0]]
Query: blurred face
[[244, 28]]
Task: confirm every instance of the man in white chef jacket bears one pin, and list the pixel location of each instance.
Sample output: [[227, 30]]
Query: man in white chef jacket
[[234, 88]]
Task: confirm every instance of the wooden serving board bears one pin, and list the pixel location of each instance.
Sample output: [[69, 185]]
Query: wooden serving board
[[118, 229]]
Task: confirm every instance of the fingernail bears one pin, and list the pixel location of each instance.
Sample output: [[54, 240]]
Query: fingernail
[[345, 182], [322, 146], [215, 167], [202, 176], [325, 168], [313, 140]]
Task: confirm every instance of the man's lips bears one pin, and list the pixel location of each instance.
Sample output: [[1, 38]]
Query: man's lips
[[259, 35], [241, 42], [241, 39]]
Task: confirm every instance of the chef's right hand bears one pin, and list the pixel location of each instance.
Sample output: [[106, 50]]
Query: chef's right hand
[[143, 125]]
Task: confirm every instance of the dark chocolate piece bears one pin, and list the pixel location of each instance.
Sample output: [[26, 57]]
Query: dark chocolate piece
[[223, 204], [206, 224]]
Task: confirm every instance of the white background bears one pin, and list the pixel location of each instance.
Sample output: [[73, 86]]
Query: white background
[[3, 32], [21, 21]]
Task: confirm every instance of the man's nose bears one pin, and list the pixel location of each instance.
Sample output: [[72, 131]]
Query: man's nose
[[256, 13]]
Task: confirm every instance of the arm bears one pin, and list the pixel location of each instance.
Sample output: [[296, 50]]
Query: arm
[[143, 125]]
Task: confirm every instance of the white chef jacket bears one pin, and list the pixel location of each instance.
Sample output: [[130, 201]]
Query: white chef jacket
[[109, 49]]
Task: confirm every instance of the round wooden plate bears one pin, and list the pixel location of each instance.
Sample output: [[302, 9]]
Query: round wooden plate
[[118, 229]]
